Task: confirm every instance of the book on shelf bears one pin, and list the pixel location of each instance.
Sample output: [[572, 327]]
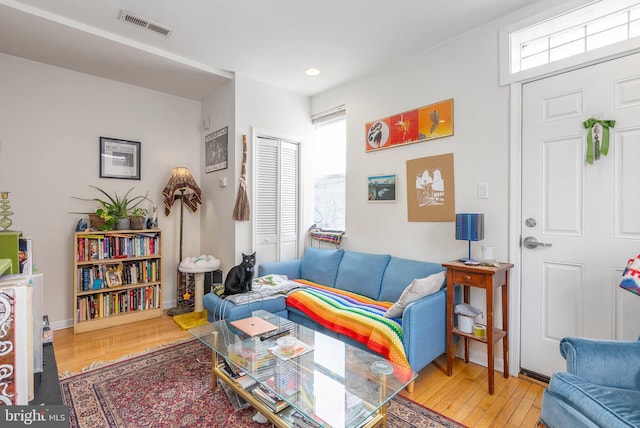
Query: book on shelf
[[245, 381], [275, 403], [47, 333], [25, 255]]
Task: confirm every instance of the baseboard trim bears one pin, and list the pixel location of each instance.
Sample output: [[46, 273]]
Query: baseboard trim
[[535, 377]]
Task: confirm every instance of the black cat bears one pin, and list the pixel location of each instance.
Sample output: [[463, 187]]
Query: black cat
[[239, 277]]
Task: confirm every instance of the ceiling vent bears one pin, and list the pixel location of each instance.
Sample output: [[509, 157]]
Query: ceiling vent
[[145, 23]]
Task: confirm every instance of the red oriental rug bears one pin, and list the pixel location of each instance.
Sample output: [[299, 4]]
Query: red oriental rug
[[171, 387]]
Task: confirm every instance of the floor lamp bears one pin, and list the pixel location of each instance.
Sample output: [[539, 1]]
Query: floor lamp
[[182, 186]]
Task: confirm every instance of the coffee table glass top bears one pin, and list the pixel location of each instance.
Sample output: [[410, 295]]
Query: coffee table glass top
[[332, 382]]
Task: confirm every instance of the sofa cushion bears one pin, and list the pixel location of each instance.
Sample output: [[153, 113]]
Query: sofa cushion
[[604, 405], [418, 288], [362, 273], [320, 265], [400, 272], [218, 308]]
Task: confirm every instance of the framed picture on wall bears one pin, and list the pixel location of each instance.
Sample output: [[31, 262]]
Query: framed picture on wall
[[430, 189], [382, 188], [216, 150], [119, 158], [413, 126]]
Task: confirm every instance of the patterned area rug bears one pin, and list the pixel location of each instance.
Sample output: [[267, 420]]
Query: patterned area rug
[[171, 387]]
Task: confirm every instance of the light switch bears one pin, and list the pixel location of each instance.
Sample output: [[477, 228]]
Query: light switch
[[483, 190], [222, 181]]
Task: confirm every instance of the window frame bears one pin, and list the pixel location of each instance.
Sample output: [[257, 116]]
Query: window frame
[[590, 57], [330, 118]]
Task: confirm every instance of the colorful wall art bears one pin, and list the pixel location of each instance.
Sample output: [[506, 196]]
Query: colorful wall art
[[430, 189], [421, 124]]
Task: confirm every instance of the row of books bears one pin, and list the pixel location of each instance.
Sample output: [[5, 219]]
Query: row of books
[[100, 247], [103, 276], [108, 304]]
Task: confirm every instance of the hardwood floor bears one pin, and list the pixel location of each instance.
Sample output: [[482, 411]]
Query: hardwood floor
[[462, 397]]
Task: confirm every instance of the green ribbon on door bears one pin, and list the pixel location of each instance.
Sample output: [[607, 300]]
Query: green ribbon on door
[[606, 124]]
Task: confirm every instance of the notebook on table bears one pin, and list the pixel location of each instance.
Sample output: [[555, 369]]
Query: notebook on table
[[253, 326]]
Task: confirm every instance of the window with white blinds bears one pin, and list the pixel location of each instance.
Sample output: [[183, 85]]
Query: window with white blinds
[[277, 199]]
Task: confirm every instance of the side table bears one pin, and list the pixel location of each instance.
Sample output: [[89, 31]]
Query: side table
[[489, 278], [199, 266]]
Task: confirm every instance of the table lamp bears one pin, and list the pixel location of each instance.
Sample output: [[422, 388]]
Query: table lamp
[[469, 227]]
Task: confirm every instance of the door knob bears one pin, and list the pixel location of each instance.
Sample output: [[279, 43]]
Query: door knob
[[532, 242]]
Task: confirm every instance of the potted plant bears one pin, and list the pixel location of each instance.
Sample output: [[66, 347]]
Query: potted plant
[[114, 210], [136, 218]]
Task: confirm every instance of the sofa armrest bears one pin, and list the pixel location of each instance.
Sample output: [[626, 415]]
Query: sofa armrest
[[423, 329], [290, 268], [603, 362]]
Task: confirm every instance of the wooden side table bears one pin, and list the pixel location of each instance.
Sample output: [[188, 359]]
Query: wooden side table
[[489, 278]]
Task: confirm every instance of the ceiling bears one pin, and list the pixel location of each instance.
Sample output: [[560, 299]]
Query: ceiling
[[272, 41]]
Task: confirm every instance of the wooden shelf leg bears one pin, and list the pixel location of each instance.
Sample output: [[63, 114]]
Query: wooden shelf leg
[[505, 325]]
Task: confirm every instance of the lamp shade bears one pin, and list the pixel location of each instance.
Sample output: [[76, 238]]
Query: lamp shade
[[181, 176], [470, 227], [181, 180]]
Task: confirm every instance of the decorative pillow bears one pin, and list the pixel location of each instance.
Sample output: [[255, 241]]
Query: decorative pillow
[[418, 288]]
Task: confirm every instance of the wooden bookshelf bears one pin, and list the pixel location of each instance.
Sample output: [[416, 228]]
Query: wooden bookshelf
[[116, 278]]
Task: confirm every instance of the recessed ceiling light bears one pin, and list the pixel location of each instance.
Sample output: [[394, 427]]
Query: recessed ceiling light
[[312, 71]]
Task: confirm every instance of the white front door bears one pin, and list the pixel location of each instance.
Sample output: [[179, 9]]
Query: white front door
[[589, 214]]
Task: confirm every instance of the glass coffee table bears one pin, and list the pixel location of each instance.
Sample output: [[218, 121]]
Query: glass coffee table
[[326, 383]]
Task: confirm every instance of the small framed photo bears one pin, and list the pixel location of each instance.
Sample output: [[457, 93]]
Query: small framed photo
[[114, 278], [217, 150], [382, 188], [119, 158]]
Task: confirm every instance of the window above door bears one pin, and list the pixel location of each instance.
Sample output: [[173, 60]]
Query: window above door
[[562, 38]]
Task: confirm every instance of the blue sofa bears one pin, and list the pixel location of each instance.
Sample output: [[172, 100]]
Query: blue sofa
[[378, 276], [601, 387]]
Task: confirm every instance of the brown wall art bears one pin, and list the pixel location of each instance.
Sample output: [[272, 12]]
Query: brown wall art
[[430, 189]]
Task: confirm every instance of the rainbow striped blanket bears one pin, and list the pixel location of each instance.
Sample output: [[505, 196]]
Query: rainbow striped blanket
[[353, 315]]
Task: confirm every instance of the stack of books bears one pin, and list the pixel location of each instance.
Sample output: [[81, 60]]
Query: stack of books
[[275, 403], [238, 376]]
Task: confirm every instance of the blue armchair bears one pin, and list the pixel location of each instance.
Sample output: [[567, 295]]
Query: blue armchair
[[601, 387]]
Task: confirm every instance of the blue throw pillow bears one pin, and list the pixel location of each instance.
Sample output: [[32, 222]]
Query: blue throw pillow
[[320, 265]]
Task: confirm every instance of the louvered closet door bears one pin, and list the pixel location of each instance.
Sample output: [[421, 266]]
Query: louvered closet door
[[276, 200]]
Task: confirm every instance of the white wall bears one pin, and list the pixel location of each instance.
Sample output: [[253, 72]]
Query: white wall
[[217, 227], [243, 106], [280, 114], [50, 123], [466, 70]]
